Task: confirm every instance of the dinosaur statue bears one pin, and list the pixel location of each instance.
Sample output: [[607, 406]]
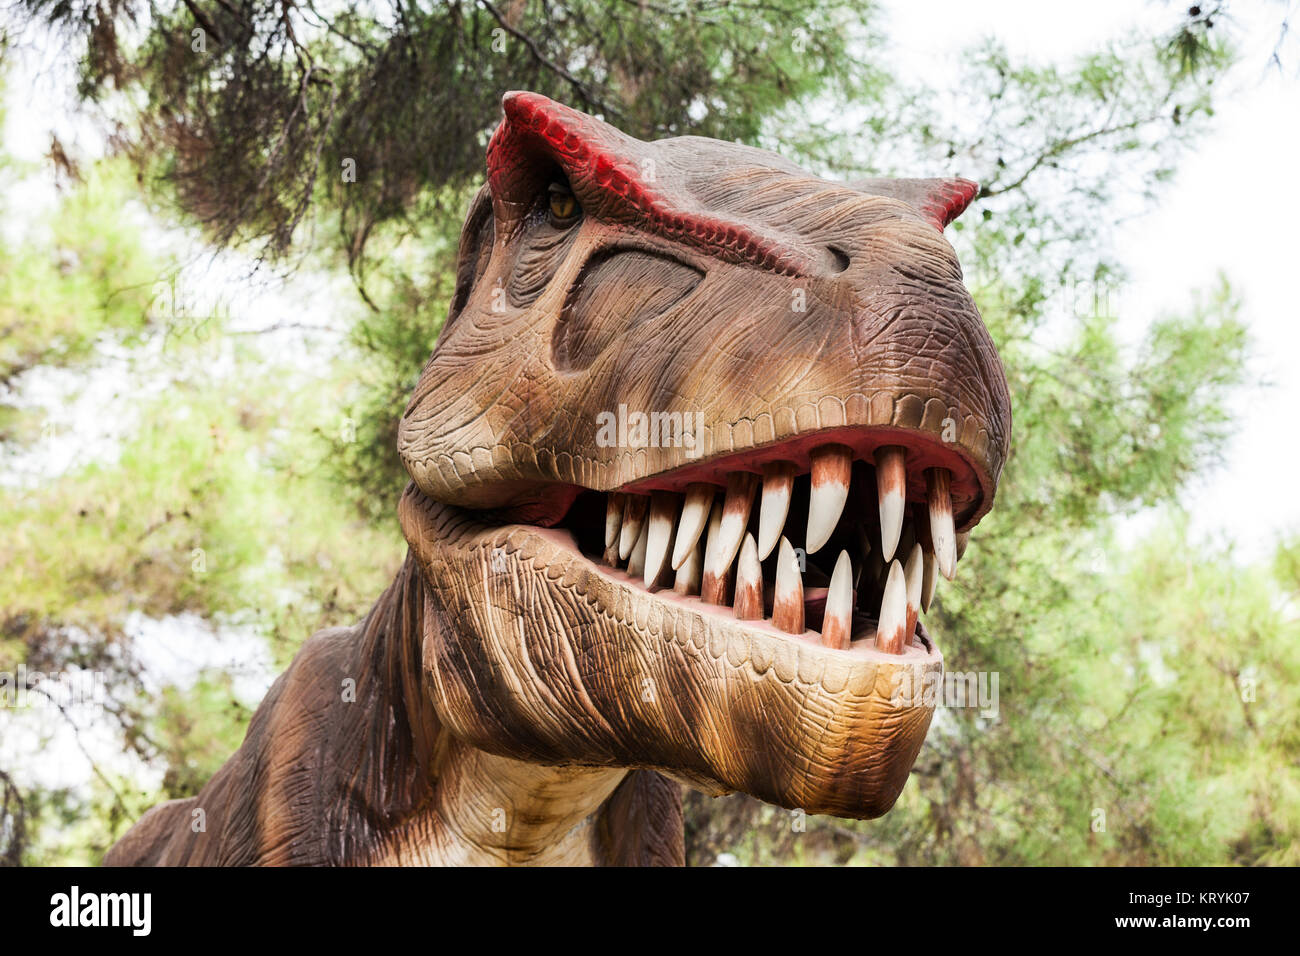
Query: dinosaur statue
[[698, 437]]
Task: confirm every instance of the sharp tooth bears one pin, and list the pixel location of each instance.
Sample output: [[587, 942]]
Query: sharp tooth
[[634, 510], [749, 583], [891, 486], [831, 467], [837, 626], [778, 481], [713, 585], [913, 574], [636, 559], [613, 517], [929, 578], [741, 486], [663, 516], [688, 575], [695, 516], [937, 482], [963, 540], [787, 601], [893, 612]]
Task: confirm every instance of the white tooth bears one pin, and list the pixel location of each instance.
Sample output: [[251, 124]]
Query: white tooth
[[832, 466], [963, 540], [893, 612], [695, 516], [913, 574], [735, 516], [663, 515], [778, 481], [929, 578], [634, 509], [787, 600], [891, 487], [837, 625], [636, 559], [939, 495], [748, 602], [713, 587], [692, 569], [613, 517]]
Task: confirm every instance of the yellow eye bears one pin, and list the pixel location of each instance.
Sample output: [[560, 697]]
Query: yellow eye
[[563, 205]]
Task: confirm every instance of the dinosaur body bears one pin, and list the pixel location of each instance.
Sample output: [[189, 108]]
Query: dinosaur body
[[698, 438]]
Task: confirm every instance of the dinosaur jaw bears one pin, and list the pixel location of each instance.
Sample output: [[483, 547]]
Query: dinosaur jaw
[[542, 648]]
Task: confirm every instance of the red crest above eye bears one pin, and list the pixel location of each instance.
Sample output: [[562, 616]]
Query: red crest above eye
[[607, 171]]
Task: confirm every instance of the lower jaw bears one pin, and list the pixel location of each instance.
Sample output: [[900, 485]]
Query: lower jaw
[[788, 720]]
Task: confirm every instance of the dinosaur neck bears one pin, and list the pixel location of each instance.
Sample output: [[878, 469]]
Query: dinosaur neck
[[432, 799]]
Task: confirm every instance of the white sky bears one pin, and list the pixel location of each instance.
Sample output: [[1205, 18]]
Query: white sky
[[1230, 208]]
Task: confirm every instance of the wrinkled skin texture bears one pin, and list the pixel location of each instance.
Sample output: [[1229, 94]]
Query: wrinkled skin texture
[[515, 701]]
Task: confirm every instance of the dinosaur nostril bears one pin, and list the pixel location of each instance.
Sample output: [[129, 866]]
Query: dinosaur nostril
[[839, 259]]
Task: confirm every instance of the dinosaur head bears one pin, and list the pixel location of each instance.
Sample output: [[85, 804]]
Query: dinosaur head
[[699, 435]]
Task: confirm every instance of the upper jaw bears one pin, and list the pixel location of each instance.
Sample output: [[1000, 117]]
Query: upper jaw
[[503, 473], [838, 537]]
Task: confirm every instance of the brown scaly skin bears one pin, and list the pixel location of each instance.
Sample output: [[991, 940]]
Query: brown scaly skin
[[518, 701]]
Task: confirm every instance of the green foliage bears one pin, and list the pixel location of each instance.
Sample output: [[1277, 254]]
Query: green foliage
[[215, 498], [73, 279], [201, 727]]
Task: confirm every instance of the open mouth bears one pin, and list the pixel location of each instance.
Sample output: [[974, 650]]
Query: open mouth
[[839, 543]]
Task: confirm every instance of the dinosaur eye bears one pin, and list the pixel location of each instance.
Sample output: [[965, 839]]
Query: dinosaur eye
[[563, 206]]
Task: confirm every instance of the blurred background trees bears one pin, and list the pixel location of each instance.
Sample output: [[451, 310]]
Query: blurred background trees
[[189, 477]]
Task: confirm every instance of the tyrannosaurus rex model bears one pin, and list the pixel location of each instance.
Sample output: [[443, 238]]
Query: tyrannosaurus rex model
[[699, 435]]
